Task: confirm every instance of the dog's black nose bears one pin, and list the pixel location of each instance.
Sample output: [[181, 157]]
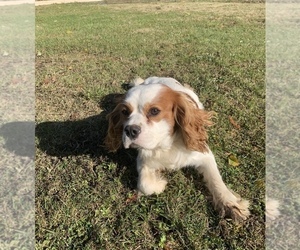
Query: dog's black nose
[[132, 131]]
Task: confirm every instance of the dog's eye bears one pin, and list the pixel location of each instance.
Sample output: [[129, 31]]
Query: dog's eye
[[154, 111], [125, 112]]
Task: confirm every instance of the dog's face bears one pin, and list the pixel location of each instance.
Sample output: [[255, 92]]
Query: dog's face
[[148, 113], [149, 116]]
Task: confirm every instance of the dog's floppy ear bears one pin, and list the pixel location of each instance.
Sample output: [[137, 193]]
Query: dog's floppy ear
[[192, 123], [113, 139]]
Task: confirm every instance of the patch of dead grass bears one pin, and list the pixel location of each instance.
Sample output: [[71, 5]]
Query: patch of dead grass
[[239, 10]]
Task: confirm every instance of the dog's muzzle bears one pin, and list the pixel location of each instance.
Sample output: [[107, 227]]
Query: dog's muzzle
[[132, 131]]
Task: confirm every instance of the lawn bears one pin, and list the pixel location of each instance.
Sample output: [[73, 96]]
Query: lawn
[[85, 196]]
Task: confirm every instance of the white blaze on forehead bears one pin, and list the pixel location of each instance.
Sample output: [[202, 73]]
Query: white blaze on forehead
[[141, 95], [173, 84]]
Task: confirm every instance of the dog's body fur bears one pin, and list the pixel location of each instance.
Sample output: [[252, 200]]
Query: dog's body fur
[[166, 122]]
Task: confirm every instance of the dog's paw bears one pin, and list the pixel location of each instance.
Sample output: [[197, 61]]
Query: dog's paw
[[234, 208], [238, 211], [272, 211], [153, 187]]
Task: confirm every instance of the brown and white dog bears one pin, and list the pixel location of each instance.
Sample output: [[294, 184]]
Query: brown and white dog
[[167, 124]]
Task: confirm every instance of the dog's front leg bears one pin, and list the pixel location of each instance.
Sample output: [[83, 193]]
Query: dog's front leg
[[149, 180], [227, 203]]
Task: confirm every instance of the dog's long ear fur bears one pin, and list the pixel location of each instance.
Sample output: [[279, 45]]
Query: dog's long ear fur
[[113, 139], [193, 123]]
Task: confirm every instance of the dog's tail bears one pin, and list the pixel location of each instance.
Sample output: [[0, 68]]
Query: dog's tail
[[137, 81]]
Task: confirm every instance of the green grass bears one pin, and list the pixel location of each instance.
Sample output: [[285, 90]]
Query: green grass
[[85, 197]]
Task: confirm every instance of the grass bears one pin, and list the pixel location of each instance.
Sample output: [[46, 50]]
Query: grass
[[85, 197], [17, 127]]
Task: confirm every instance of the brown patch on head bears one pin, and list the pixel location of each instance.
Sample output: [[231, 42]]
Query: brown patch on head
[[162, 107]]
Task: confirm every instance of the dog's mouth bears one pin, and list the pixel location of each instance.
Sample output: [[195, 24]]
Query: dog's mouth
[[141, 142], [136, 144], [133, 145], [128, 143]]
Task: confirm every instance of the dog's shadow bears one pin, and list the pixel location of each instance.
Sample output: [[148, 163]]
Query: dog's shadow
[[85, 137], [19, 138]]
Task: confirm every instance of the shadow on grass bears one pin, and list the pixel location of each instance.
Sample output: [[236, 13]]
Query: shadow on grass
[[19, 138], [85, 137]]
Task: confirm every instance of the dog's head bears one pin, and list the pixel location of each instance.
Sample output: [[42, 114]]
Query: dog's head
[[151, 114]]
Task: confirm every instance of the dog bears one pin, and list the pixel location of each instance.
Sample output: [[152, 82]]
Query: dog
[[165, 121]]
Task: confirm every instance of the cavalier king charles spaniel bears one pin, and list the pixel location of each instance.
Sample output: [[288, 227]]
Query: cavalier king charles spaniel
[[167, 124]]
